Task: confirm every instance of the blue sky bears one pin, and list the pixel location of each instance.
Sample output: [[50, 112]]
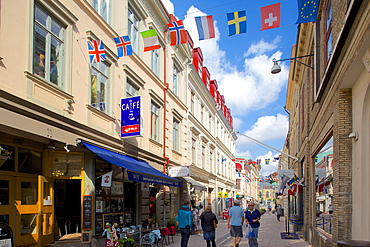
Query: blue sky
[[241, 64]]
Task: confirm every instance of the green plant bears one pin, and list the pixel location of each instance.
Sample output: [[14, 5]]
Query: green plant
[[124, 240]]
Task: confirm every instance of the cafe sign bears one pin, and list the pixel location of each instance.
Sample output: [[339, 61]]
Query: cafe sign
[[131, 112], [179, 171]]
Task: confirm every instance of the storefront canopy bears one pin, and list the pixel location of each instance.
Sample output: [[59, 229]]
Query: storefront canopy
[[137, 170], [196, 184]]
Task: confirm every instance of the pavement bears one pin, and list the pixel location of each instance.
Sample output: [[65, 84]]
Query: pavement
[[268, 235]]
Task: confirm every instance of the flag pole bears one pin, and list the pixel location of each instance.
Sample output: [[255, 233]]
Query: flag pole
[[267, 145]]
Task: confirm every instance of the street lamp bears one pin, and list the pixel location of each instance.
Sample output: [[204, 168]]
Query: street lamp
[[276, 67]]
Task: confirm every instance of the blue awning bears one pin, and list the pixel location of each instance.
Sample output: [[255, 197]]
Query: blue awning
[[139, 171]]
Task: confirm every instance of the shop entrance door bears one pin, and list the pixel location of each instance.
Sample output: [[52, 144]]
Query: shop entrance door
[[46, 210], [7, 193], [26, 210], [68, 206]]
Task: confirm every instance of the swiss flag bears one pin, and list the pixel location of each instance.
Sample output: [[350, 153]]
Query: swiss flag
[[270, 16]]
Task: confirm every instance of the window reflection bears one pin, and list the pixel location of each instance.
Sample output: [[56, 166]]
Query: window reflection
[[28, 224], [324, 165], [28, 193]]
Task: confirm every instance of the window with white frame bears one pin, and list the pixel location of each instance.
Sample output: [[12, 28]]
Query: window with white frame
[[193, 151], [131, 89], [154, 130], [192, 98], [133, 30], [203, 156], [211, 161], [176, 135], [156, 62], [48, 50], [175, 80], [202, 114], [99, 85], [103, 7]]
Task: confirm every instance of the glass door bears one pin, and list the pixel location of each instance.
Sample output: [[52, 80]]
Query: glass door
[[7, 200], [26, 206], [46, 210]]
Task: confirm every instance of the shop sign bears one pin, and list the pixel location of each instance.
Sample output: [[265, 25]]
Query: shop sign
[[131, 113], [179, 171], [289, 173]]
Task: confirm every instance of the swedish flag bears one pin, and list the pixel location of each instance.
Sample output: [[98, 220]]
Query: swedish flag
[[307, 10], [237, 22]]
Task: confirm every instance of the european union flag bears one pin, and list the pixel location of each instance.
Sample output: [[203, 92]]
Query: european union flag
[[237, 22], [307, 10]]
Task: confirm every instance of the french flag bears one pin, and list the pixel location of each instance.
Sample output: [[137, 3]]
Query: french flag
[[205, 27]]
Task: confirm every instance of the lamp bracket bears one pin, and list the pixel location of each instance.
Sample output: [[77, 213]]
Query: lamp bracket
[[295, 59]]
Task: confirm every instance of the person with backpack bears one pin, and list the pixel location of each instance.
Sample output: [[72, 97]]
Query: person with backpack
[[185, 220]]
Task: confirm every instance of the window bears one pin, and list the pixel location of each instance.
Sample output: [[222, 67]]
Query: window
[[328, 31], [99, 85], [176, 135], [133, 30], [202, 114], [156, 62], [154, 131], [48, 50], [175, 81], [193, 149], [211, 161], [238, 184], [103, 8], [203, 156], [210, 123], [131, 89], [192, 96]]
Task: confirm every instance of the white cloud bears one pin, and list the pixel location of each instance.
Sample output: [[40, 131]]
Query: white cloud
[[266, 128], [169, 6], [257, 87], [271, 167], [262, 47]]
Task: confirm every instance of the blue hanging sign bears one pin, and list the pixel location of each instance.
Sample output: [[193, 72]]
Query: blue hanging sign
[[131, 112]]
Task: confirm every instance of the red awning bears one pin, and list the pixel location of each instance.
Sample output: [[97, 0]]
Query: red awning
[[238, 166]]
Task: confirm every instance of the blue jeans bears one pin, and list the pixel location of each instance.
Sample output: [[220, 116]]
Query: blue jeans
[[185, 235], [253, 241]]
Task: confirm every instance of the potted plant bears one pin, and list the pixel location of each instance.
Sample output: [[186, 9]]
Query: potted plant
[[166, 202], [318, 213], [171, 222], [126, 242]]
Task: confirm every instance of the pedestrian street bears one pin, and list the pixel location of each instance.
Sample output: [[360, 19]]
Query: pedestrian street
[[268, 236]]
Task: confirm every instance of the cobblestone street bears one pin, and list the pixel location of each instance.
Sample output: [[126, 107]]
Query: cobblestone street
[[269, 235]]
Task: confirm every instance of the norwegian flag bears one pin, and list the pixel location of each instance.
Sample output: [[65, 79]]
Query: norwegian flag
[[177, 33], [96, 51], [123, 45]]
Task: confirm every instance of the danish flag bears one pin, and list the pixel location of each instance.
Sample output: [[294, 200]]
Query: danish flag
[[177, 32], [123, 45], [96, 51]]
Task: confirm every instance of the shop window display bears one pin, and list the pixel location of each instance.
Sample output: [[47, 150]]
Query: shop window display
[[109, 200]]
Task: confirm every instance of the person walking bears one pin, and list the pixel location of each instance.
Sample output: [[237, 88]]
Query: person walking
[[252, 217], [200, 211], [235, 223], [195, 219], [279, 212], [185, 220], [209, 231]]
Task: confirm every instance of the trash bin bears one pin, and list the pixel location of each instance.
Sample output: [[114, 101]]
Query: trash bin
[[358, 243]]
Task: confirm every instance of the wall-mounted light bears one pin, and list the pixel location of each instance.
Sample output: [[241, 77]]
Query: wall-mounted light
[[66, 148], [276, 67], [354, 135]]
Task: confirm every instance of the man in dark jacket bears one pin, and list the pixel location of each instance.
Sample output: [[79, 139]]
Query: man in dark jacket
[[209, 232], [252, 217], [185, 219]]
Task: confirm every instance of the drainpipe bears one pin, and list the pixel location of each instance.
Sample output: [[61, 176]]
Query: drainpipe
[[164, 127]]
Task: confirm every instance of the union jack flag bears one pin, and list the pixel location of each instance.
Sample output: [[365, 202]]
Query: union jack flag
[[177, 33], [96, 51], [123, 45]]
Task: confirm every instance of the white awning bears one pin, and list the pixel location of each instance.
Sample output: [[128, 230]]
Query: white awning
[[197, 185]]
